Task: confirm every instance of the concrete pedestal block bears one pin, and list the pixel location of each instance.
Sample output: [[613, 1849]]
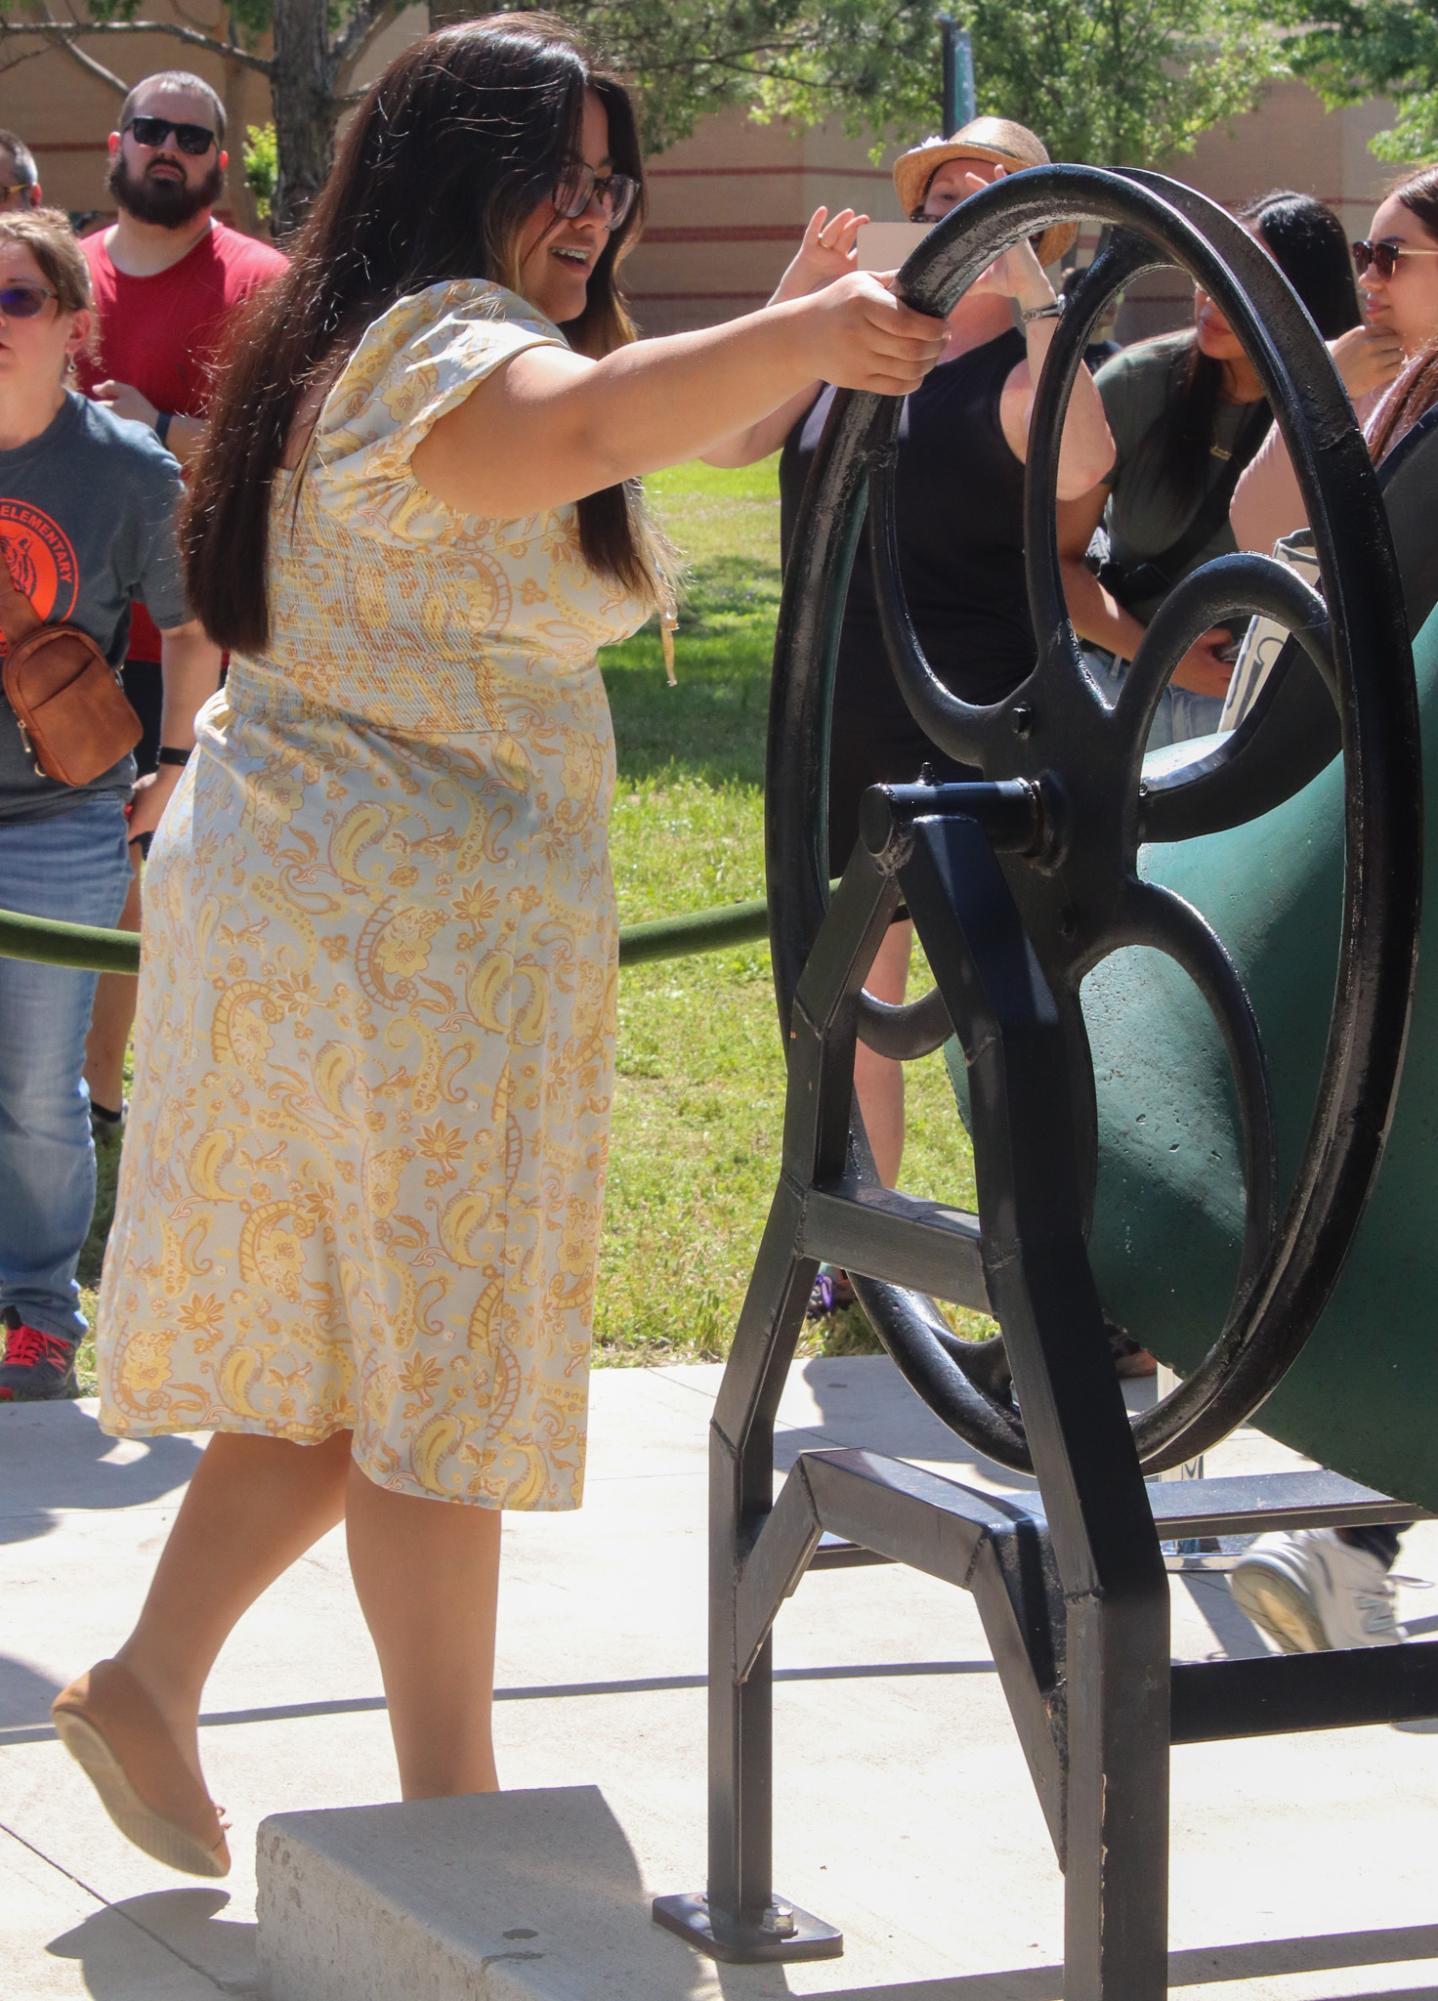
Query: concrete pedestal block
[[516, 1896]]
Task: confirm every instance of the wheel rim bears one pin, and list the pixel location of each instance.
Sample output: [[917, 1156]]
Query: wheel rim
[[1081, 896]]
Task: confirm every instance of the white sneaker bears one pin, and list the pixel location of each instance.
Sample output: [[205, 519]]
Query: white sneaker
[[1308, 1590]]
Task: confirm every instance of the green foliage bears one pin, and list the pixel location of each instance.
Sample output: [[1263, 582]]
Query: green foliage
[[114, 10], [244, 22], [1114, 82], [1124, 82], [807, 58], [262, 166], [1111, 81], [1389, 47]]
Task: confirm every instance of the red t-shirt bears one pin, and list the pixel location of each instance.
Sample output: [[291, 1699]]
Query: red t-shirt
[[160, 334]]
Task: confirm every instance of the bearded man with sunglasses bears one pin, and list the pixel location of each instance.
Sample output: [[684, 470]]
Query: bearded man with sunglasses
[[167, 278], [167, 275]]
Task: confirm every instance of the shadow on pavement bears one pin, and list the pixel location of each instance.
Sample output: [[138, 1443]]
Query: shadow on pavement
[[863, 1400], [188, 1923], [25, 1696], [25, 1699], [1200, 1966], [54, 1458]]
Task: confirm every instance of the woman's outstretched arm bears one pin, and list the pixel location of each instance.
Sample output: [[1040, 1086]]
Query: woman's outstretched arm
[[550, 427]]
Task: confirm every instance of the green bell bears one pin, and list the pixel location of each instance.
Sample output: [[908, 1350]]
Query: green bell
[[1363, 1396]]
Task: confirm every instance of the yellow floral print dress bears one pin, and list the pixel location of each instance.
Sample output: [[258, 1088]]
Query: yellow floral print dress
[[362, 1177]]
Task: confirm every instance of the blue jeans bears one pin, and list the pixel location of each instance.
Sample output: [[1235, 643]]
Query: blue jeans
[[73, 864], [1180, 713]]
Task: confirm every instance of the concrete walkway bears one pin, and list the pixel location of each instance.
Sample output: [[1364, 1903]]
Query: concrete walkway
[[1303, 1868]]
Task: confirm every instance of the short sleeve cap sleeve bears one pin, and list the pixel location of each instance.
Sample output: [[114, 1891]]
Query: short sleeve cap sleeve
[[161, 584], [415, 364], [1114, 386]]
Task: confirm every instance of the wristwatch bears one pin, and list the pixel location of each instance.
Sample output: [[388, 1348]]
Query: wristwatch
[[163, 421], [169, 755], [1052, 310]]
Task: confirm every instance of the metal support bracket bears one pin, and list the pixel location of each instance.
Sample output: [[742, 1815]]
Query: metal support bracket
[[1070, 1583]]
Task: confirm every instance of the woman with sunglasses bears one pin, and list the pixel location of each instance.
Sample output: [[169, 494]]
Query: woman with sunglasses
[[1397, 267], [1310, 1589], [357, 1222], [1188, 413], [88, 507]]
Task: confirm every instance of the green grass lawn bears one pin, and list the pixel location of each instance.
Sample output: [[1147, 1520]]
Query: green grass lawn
[[700, 1092]]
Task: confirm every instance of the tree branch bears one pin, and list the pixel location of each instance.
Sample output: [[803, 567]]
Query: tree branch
[[14, 62], [365, 22], [88, 64], [65, 32], [730, 58], [95, 69]]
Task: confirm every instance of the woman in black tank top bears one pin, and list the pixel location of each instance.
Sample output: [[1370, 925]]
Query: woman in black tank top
[[962, 441]]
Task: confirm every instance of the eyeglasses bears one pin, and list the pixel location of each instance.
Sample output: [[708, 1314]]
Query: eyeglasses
[[191, 139], [11, 188], [578, 185], [1383, 256], [23, 299]]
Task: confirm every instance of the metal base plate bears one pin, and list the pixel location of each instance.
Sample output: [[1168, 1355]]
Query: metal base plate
[[784, 1932]]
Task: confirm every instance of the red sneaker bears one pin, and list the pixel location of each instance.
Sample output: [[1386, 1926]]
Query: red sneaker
[[36, 1367]]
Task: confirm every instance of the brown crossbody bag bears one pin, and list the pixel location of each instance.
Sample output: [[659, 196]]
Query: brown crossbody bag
[[71, 711]]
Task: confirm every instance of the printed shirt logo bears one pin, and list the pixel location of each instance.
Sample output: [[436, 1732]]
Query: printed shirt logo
[[41, 559]]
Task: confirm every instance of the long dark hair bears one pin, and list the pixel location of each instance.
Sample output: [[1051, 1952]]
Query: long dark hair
[[448, 154], [1310, 247], [1419, 195], [1412, 396]]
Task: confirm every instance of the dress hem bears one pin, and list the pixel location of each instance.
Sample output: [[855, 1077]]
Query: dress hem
[[309, 1436]]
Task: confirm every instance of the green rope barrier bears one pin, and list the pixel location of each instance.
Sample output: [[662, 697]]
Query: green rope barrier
[[703, 931], [89, 947], [95, 950]]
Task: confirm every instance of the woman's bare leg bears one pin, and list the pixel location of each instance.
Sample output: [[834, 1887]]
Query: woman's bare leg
[[427, 1575], [878, 1080], [113, 1014], [253, 1506]]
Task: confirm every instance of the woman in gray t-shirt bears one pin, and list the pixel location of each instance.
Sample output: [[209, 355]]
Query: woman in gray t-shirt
[[87, 528]]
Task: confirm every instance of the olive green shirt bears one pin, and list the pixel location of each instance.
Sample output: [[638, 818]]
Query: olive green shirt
[[1146, 515]]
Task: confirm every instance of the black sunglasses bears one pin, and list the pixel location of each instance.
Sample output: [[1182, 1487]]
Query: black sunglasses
[[1383, 256], [191, 139], [22, 299], [578, 184]]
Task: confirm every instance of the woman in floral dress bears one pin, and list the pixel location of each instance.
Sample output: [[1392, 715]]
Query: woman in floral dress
[[356, 1230]]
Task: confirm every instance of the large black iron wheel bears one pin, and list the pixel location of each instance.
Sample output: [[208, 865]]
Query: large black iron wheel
[[1079, 889]]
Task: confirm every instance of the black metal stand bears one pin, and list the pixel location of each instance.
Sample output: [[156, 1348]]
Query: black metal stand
[[1019, 886], [1073, 1593]]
